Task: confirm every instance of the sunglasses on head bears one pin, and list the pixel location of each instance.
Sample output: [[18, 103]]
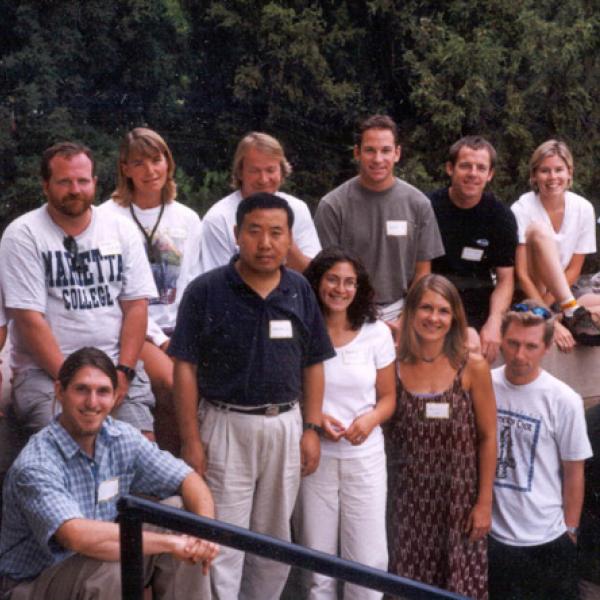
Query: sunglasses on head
[[78, 263], [538, 311]]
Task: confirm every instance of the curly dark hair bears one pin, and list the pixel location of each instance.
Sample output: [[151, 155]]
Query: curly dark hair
[[362, 310]]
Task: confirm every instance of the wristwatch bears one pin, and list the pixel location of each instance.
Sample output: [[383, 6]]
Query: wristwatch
[[312, 426], [129, 372], [573, 530]]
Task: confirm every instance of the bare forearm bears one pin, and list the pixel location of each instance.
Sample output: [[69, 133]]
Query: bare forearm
[[39, 339], [422, 268], [185, 396], [313, 387], [573, 490], [100, 539], [384, 408], [196, 496], [501, 297], [133, 330], [487, 469], [296, 259]]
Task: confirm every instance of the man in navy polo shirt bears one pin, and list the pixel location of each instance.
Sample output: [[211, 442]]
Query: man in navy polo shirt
[[251, 341]]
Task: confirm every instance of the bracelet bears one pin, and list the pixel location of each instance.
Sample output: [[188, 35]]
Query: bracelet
[[573, 530], [312, 426], [129, 371]]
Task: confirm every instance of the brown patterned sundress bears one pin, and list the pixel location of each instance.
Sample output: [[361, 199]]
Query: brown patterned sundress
[[432, 485]]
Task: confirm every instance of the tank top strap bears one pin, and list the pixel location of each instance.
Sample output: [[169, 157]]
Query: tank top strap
[[459, 372]]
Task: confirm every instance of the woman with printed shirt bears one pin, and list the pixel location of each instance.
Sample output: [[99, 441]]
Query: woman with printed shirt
[[441, 447], [145, 194], [343, 503]]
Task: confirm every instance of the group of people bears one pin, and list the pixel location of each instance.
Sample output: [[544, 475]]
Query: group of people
[[346, 389]]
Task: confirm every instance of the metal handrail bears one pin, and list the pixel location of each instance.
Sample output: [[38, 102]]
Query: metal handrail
[[134, 511]]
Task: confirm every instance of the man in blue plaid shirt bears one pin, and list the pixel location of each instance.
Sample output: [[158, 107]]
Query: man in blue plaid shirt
[[59, 539]]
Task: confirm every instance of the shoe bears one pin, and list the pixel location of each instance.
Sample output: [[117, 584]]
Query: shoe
[[584, 327]]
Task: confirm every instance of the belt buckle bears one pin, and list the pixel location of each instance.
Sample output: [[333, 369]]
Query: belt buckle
[[272, 410]]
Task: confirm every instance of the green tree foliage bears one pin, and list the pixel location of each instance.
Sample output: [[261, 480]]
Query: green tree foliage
[[203, 73], [82, 70]]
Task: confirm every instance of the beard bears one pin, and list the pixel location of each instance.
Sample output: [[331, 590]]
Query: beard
[[71, 205]]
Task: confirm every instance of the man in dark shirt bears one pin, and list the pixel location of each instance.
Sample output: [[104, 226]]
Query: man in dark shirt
[[251, 341], [480, 239]]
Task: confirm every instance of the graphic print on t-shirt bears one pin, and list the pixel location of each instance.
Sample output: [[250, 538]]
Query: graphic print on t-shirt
[[167, 250], [518, 436], [88, 286]]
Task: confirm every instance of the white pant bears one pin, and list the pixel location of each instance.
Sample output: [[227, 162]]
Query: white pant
[[253, 471], [343, 504]]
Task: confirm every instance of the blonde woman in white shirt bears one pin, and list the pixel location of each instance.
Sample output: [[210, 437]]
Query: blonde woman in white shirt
[[171, 232], [556, 229], [343, 503]]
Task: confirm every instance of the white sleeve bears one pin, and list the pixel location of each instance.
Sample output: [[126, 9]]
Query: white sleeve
[[22, 274], [216, 248], [155, 333], [191, 267], [385, 351], [138, 281], [522, 221], [305, 233], [572, 439], [586, 242]]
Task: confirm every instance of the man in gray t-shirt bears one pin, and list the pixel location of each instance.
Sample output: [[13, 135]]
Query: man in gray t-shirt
[[386, 221]]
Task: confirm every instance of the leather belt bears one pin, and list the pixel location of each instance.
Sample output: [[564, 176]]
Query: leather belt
[[268, 410]]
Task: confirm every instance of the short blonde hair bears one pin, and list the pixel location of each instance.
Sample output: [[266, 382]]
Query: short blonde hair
[[264, 143], [550, 148], [147, 143], [455, 343]]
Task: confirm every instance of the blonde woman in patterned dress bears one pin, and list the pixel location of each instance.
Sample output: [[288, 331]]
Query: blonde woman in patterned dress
[[441, 447]]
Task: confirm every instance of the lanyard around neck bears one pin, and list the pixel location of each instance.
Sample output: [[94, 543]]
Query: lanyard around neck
[[153, 256]]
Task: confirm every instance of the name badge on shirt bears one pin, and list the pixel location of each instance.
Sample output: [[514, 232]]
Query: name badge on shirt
[[108, 489], [472, 254], [280, 329], [437, 410], [396, 228], [354, 357], [109, 248]]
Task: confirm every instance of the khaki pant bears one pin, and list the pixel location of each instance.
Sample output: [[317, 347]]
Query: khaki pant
[[253, 472], [86, 578], [89, 579]]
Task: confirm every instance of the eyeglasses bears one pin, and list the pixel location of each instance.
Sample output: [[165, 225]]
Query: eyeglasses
[[538, 311], [333, 280], [78, 263]]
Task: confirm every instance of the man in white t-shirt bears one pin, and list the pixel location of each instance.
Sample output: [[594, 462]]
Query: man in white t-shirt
[[542, 446], [259, 165], [74, 276]]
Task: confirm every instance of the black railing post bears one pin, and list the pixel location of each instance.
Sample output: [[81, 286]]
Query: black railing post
[[132, 558]]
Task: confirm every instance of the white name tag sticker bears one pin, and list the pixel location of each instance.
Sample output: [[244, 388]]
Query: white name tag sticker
[[280, 329], [108, 489], [437, 410], [396, 228], [110, 247], [354, 357], [472, 254]]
